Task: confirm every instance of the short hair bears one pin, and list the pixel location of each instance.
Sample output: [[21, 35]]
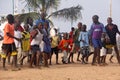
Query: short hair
[[10, 18], [96, 16]]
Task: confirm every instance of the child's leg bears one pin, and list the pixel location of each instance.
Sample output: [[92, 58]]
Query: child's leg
[[98, 55], [32, 59], [4, 61], [37, 58], [89, 56], [70, 55], [51, 55], [102, 59], [65, 56], [56, 52], [78, 56], [111, 59], [84, 54], [45, 56], [9, 57], [117, 53], [94, 57]]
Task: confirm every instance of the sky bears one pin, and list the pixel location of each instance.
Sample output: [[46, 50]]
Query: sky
[[90, 8]]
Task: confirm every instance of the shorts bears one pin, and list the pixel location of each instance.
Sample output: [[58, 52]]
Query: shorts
[[97, 43], [85, 50], [55, 50], [35, 48], [9, 48], [77, 43]]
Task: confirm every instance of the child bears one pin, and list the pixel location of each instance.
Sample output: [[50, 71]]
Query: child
[[8, 46], [113, 51], [63, 45], [103, 49], [18, 35], [47, 46], [37, 37], [96, 31], [84, 43], [71, 45], [54, 46], [25, 43]]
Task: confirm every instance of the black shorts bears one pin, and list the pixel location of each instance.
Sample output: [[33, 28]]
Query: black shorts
[[55, 50], [8, 48]]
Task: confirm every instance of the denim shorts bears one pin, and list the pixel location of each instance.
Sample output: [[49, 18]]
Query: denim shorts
[[35, 48], [97, 43]]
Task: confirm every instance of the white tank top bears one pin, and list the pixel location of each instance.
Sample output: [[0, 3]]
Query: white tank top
[[38, 39]]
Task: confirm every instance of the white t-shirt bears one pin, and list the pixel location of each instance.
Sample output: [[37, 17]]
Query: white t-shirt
[[17, 34], [38, 39]]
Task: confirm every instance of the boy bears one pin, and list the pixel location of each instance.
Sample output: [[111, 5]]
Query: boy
[[84, 43], [63, 45]]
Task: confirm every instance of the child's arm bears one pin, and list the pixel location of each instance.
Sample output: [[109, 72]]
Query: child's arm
[[34, 33]]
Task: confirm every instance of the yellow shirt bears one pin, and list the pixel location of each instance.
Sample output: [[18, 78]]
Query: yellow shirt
[[54, 42], [26, 41]]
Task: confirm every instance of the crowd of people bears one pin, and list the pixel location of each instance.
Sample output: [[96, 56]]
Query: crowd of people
[[35, 43]]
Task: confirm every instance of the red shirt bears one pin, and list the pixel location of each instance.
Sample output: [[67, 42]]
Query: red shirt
[[64, 44]]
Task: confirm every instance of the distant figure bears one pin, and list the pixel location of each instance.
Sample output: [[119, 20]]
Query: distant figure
[[54, 46], [17, 21], [112, 30], [46, 46], [76, 43], [29, 21], [63, 45], [71, 45], [43, 20], [96, 31], [84, 43]]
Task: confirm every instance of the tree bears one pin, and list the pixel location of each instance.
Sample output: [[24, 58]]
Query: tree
[[72, 13]]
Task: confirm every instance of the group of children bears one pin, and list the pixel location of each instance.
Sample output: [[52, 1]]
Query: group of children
[[38, 46]]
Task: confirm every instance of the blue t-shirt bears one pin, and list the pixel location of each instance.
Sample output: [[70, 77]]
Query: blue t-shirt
[[85, 37], [42, 21]]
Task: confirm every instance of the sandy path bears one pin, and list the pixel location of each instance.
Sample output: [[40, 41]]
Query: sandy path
[[76, 71]]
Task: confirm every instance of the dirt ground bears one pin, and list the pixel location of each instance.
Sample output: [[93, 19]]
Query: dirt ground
[[73, 71]]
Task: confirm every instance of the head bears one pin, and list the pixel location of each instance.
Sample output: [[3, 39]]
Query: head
[[72, 29], [95, 19], [79, 25], [35, 27], [16, 25], [17, 21], [65, 36], [10, 18], [45, 25], [40, 26], [109, 20], [29, 21], [43, 15], [84, 27], [56, 31], [26, 27]]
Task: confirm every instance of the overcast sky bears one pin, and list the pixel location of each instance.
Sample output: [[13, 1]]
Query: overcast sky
[[90, 7]]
